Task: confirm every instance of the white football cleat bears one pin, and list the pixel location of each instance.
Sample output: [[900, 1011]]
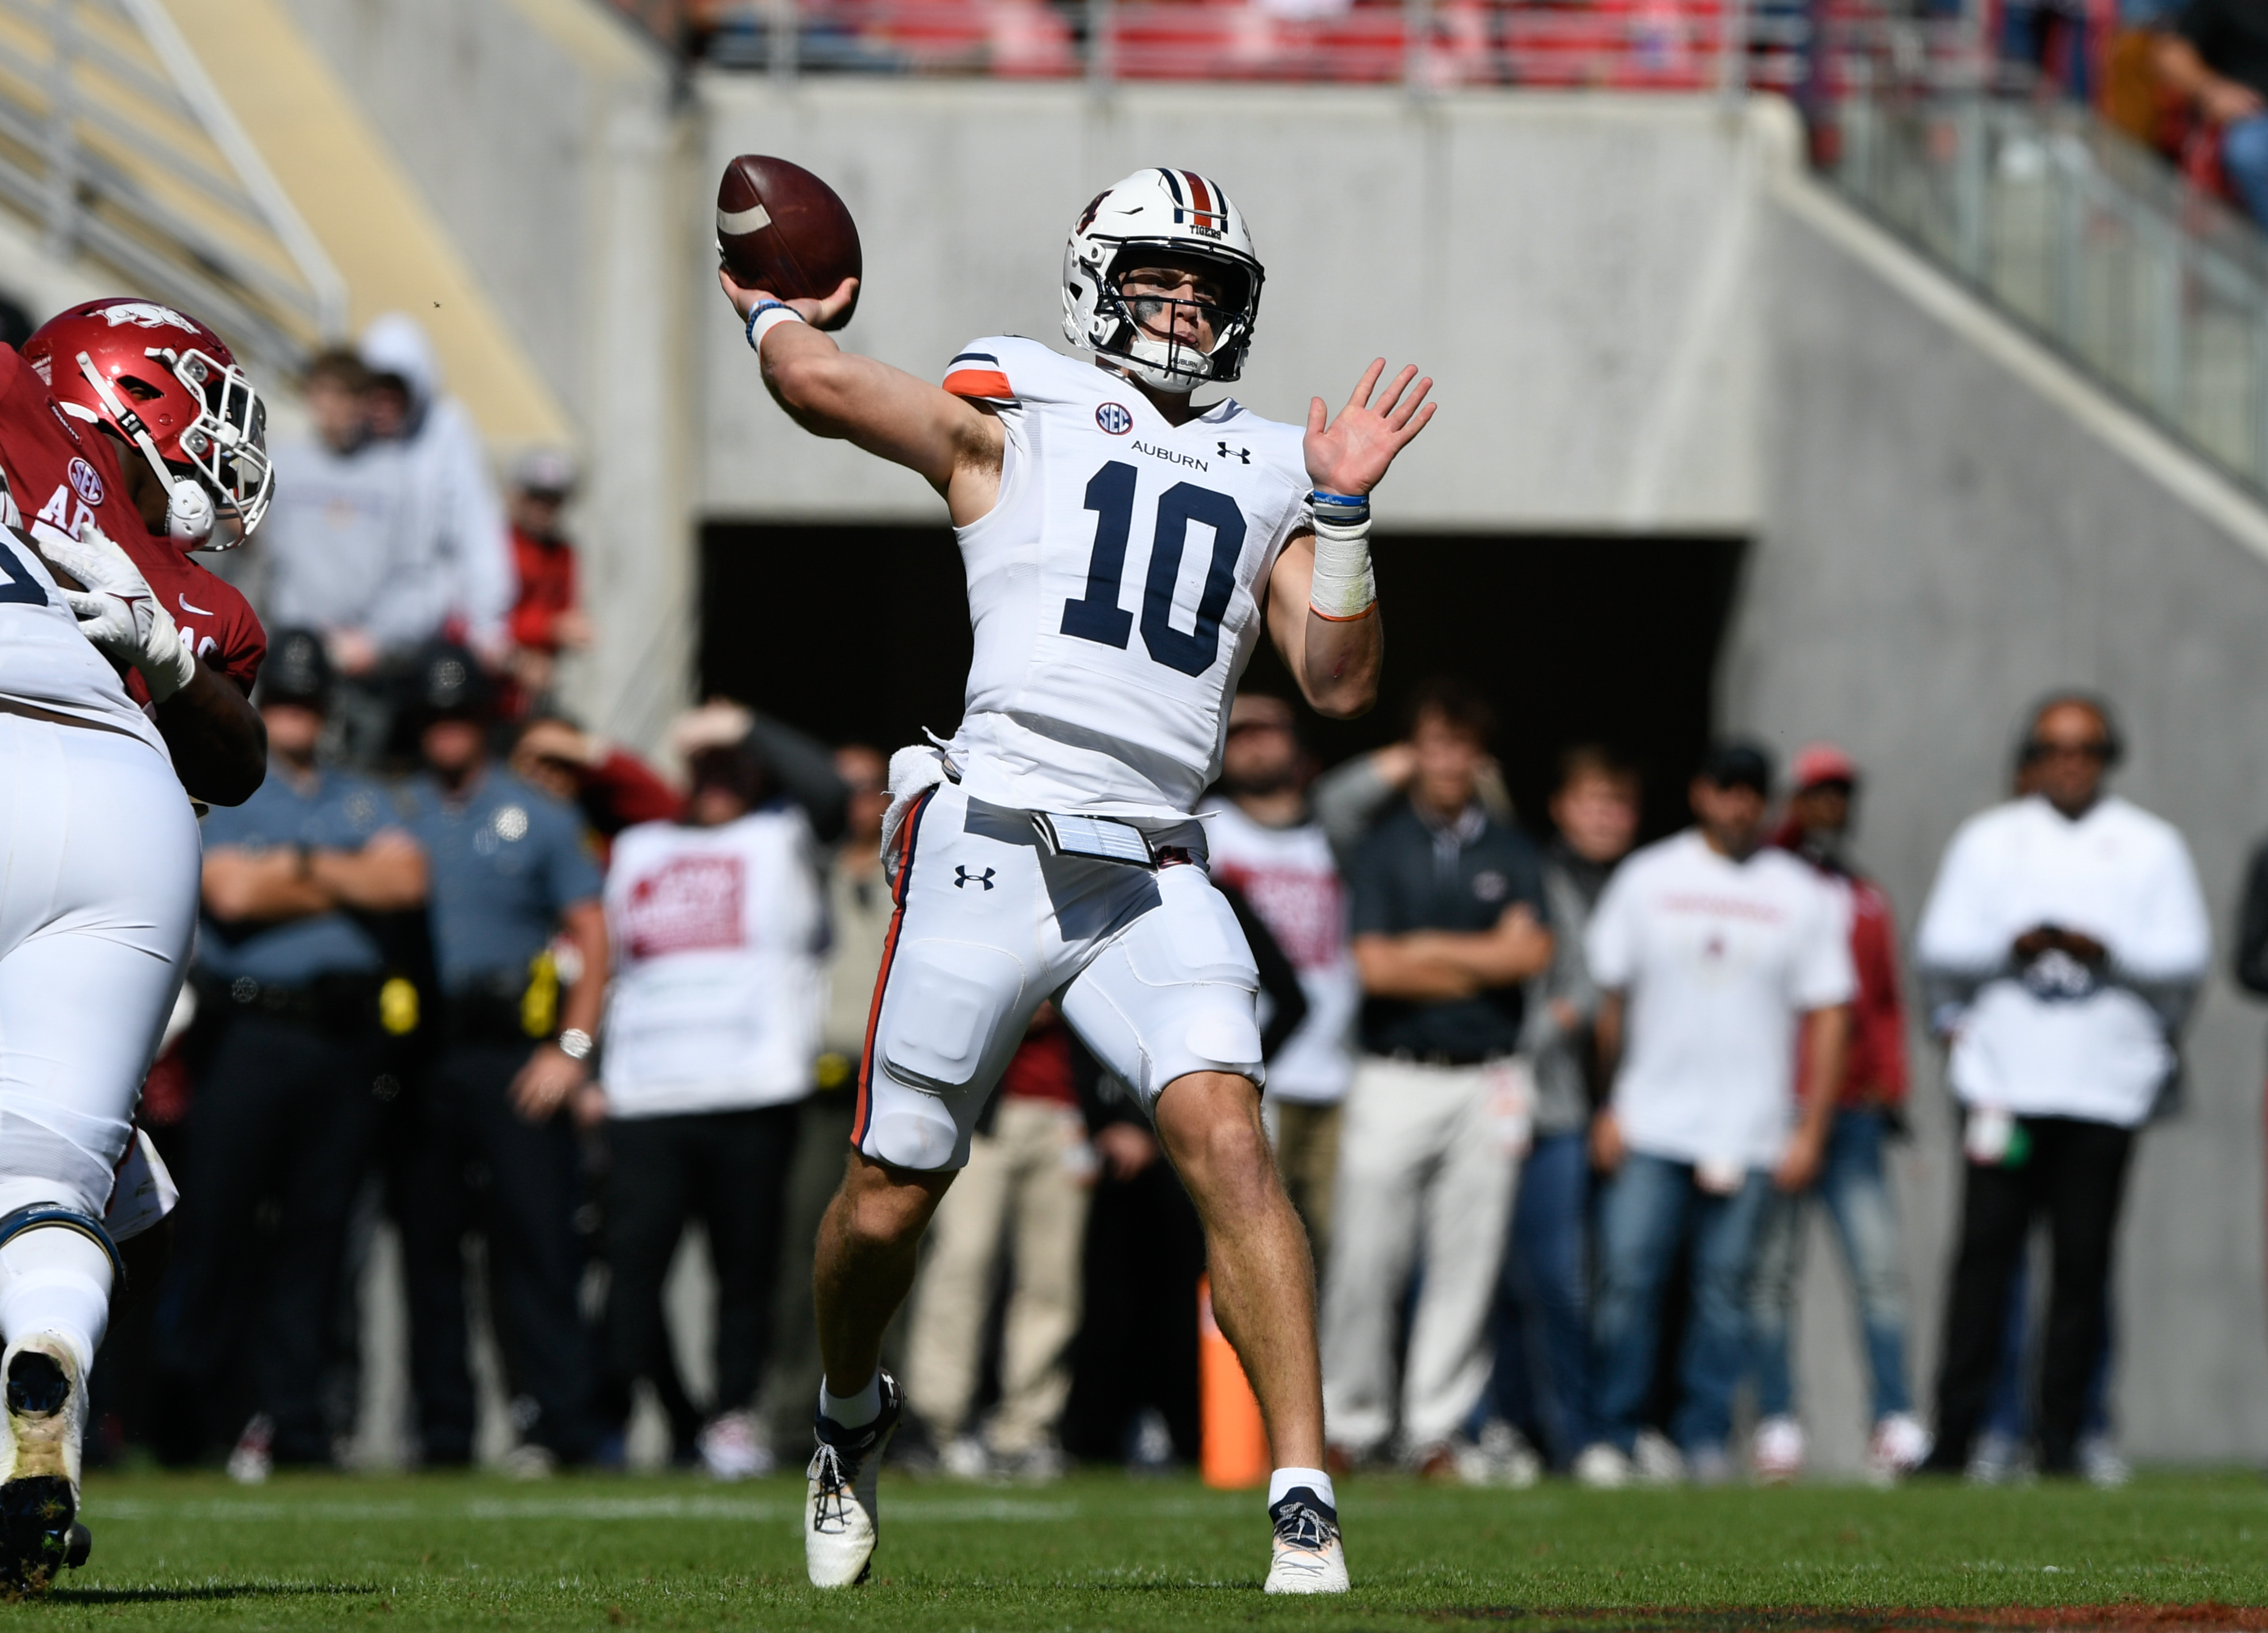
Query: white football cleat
[[731, 1448], [840, 1520], [1603, 1467], [45, 1422], [1899, 1446], [1308, 1556], [1776, 1454]]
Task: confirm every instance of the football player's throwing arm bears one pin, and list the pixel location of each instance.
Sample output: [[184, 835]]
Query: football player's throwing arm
[[1320, 610]]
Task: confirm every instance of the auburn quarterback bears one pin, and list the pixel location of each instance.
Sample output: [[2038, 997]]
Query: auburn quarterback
[[1126, 547]]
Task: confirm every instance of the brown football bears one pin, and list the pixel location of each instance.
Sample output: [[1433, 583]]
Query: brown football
[[781, 228]]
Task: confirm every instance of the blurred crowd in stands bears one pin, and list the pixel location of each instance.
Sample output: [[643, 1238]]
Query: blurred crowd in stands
[[1556, 1106], [2188, 78]]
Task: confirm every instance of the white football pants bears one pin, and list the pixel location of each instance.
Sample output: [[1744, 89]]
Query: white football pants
[[1150, 969], [99, 876]]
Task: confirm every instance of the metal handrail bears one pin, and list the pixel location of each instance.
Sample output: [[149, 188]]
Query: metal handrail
[[115, 141]]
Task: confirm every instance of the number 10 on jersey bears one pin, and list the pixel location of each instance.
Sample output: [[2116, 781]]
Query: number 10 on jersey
[[1097, 616]]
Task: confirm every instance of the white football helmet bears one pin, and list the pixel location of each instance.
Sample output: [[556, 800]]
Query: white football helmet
[[1183, 213]]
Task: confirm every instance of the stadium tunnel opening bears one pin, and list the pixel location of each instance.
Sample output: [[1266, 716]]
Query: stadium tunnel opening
[[877, 644]]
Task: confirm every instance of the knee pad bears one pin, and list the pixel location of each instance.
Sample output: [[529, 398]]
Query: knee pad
[[52, 1215]]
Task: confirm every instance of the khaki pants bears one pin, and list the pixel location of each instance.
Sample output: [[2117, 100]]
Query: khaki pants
[[1308, 1157], [1425, 1166], [1019, 1191]]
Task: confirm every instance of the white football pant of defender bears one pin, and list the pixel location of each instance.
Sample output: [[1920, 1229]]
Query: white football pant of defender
[[1126, 549]]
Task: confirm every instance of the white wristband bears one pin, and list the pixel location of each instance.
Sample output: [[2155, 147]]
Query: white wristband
[[766, 319], [1342, 588]]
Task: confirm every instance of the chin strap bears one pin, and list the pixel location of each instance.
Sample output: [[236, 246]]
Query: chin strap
[[35, 1215], [189, 512]]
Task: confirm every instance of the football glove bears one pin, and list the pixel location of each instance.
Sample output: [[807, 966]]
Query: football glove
[[118, 613]]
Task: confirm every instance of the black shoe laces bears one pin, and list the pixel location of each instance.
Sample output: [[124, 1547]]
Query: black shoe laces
[[1300, 1526], [830, 1507]]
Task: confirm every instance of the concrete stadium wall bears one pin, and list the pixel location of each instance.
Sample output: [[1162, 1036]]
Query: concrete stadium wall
[[1471, 235], [549, 139], [1953, 524]]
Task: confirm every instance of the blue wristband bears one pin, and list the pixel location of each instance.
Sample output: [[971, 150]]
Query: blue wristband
[[749, 331], [1340, 501]]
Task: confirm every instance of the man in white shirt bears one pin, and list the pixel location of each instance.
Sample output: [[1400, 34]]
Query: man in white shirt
[[1718, 958], [1267, 843], [2063, 945], [717, 922]]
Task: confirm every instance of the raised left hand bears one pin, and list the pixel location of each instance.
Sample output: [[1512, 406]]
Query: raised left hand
[[1350, 454]]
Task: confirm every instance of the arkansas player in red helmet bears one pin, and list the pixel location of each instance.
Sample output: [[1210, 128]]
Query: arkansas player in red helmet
[[190, 435], [102, 858]]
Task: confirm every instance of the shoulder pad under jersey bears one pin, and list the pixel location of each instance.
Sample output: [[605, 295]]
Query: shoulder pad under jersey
[[1008, 368]]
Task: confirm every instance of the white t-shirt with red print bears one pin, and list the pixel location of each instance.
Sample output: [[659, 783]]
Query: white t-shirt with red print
[[1292, 884], [715, 935], [1719, 960]]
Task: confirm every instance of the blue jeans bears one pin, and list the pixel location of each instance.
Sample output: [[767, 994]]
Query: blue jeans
[[1543, 1331], [2244, 156], [1646, 1212], [1857, 1194]]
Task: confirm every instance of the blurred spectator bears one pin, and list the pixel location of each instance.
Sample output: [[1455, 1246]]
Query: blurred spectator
[[1024, 1191], [511, 871], [332, 542], [2063, 945], [1350, 796], [292, 1087], [611, 787], [2216, 58], [1852, 1183], [1718, 957], [716, 924], [548, 619], [1546, 1344], [1263, 842], [1448, 919], [454, 556]]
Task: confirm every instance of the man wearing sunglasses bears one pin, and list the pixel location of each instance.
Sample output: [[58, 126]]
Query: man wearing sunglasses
[[2062, 946]]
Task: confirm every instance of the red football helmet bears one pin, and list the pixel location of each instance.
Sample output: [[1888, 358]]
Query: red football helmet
[[170, 386]]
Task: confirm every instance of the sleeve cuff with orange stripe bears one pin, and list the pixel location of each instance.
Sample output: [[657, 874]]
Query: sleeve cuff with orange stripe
[[978, 374]]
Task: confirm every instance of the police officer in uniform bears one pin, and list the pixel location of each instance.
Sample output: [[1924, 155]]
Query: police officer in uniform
[[513, 872], [290, 972]]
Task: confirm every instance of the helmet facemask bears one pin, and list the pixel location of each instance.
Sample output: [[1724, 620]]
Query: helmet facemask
[[1164, 360], [227, 444]]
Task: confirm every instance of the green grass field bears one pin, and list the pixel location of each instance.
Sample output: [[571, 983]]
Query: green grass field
[[1103, 1551]]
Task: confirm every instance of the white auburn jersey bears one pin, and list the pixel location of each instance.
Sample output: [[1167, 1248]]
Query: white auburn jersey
[[45, 660], [718, 989], [1115, 587]]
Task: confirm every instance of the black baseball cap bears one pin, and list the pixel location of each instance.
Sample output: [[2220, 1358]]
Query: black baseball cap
[[450, 683], [298, 670], [1736, 762]]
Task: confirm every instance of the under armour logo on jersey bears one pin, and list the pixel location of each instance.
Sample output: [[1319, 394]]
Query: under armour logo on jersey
[[963, 878], [1227, 452]]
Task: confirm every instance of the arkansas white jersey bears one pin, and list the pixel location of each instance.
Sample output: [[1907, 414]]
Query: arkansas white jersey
[[1113, 588], [715, 935], [53, 477], [1290, 878]]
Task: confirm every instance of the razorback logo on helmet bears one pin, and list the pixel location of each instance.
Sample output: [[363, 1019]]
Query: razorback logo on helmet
[[146, 314], [84, 483]]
